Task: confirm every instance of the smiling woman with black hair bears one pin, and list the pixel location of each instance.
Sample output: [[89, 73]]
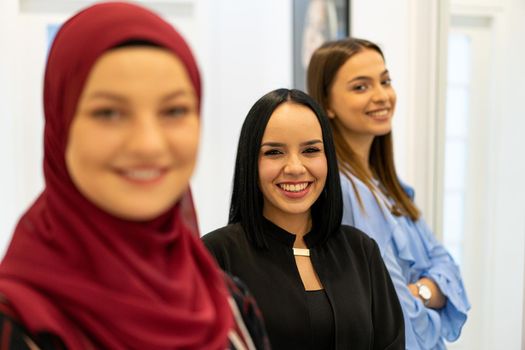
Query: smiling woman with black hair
[[319, 285]]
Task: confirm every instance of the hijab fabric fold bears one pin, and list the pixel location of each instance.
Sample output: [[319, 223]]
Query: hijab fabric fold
[[80, 273]]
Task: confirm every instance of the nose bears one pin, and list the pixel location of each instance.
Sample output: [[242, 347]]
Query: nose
[[294, 166], [146, 138], [380, 94]]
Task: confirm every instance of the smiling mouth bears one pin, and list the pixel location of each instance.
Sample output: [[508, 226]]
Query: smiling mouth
[[294, 188], [143, 176], [381, 113]]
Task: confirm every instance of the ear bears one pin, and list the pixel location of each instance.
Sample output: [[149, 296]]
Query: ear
[[330, 114]]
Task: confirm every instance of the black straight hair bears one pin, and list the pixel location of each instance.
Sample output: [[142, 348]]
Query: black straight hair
[[247, 201]]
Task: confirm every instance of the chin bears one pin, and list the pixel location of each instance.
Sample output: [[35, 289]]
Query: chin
[[383, 131], [143, 213]]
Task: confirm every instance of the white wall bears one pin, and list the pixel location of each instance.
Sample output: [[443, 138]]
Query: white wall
[[246, 54], [506, 224], [497, 315], [386, 23], [8, 209]]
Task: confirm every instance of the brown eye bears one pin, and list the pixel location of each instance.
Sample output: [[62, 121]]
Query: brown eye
[[359, 88], [312, 150], [175, 112], [272, 152], [106, 113]]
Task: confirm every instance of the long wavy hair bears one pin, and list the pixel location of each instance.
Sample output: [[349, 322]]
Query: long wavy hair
[[324, 65]]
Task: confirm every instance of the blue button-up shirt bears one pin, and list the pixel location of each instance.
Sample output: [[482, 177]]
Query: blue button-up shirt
[[410, 251]]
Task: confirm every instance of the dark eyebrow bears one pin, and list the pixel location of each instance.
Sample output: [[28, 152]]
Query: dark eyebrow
[[178, 93], [107, 95], [279, 144], [273, 144], [363, 77], [311, 142]]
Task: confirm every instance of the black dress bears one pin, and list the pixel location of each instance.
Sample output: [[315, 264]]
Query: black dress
[[366, 311]]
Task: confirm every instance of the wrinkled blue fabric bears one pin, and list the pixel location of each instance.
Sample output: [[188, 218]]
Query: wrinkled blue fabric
[[411, 251]]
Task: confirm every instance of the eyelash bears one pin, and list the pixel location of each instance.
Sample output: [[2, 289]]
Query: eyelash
[[107, 113], [364, 87], [275, 152], [272, 152], [312, 150], [176, 111], [359, 88], [114, 113]]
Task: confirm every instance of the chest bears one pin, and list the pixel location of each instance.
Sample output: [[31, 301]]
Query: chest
[[273, 276]]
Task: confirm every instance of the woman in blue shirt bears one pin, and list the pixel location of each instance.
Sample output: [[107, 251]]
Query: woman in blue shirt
[[349, 79]]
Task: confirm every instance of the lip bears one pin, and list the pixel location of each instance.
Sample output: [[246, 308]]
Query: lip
[[144, 176], [381, 117], [295, 195]]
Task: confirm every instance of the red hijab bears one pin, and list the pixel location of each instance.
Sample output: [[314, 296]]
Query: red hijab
[[76, 271]]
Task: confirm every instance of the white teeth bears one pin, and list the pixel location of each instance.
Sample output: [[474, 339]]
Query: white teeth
[[381, 113], [294, 188], [145, 174]]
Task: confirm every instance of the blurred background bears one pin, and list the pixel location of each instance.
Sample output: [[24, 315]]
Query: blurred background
[[457, 66]]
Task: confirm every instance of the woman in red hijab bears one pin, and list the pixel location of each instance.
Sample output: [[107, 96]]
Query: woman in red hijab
[[108, 257]]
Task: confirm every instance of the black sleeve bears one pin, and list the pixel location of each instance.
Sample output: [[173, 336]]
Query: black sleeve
[[387, 315]]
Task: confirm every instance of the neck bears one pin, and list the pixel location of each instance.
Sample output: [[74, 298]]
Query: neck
[[297, 224], [360, 145]]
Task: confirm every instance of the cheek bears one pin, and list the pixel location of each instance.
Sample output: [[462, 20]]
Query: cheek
[[348, 105], [83, 155], [268, 171], [319, 168], [264, 170], [393, 98], [184, 143]]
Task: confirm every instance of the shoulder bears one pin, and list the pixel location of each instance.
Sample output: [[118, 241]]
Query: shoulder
[[352, 187], [356, 239], [226, 241], [225, 235], [409, 190]]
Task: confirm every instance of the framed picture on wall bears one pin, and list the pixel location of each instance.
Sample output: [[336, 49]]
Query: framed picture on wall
[[314, 22]]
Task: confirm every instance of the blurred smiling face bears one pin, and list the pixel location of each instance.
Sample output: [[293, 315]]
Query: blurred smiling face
[[133, 141]]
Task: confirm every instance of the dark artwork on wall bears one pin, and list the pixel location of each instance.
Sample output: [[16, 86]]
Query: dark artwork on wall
[[314, 22]]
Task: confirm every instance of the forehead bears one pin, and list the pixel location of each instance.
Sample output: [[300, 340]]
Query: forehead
[[138, 67], [292, 122], [365, 63]]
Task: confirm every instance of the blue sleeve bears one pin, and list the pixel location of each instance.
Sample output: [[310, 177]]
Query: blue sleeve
[[424, 326], [444, 271]]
